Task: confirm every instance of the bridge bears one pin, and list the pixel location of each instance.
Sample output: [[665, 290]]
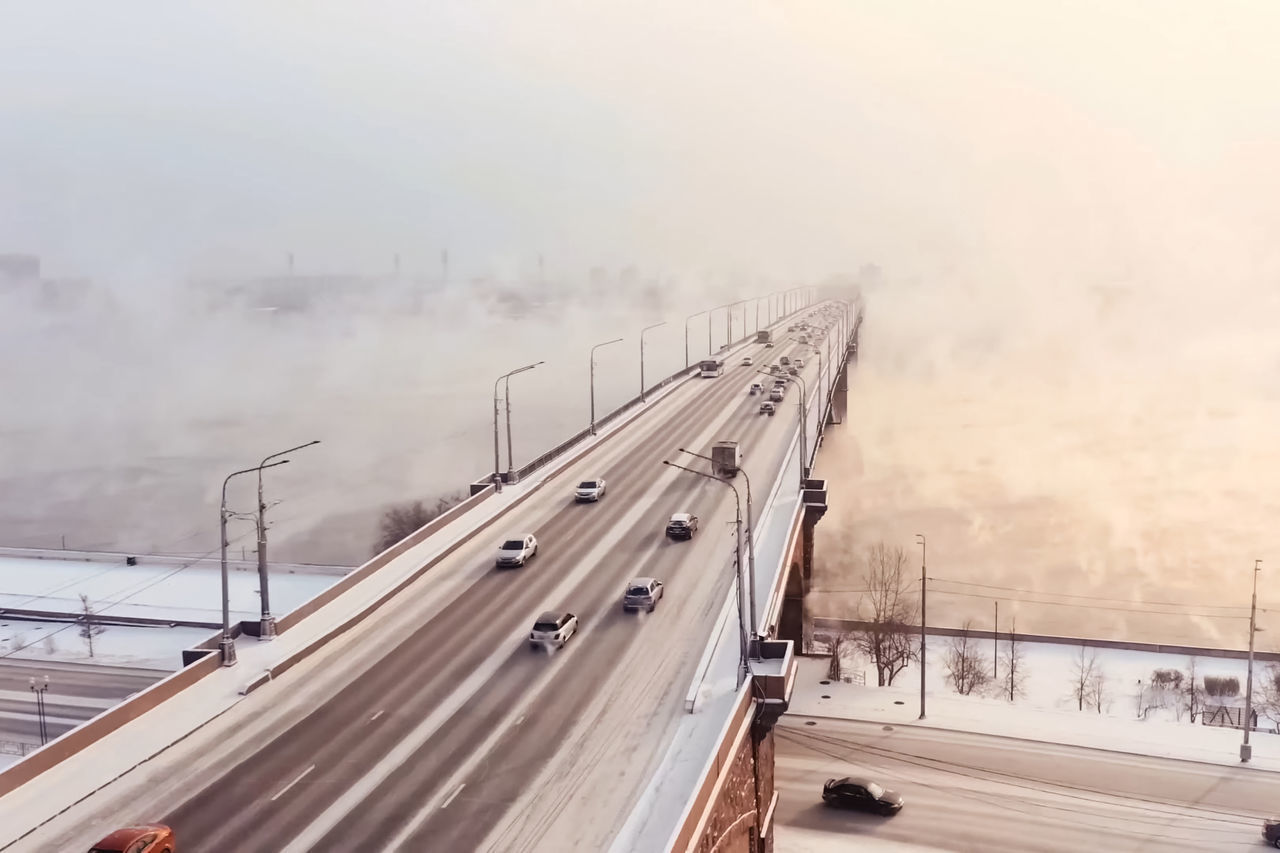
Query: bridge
[[404, 709]]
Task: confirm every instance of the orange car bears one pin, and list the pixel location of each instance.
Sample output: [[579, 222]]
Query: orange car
[[154, 838]]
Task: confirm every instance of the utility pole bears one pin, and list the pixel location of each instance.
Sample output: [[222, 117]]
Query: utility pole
[[751, 547], [1246, 751], [267, 622], [593, 380], [39, 691], [227, 645], [995, 643], [923, 553]]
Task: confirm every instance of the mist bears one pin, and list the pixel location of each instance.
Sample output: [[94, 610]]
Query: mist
[[1068, 375]]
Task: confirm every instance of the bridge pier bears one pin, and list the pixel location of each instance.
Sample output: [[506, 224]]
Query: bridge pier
[[800, 564], [735, 814]]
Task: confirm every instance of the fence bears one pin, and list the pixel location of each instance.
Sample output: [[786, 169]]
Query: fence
[[17, 747]]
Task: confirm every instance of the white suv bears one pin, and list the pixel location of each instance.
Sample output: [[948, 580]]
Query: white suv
[[553, 629], [590, 490], [516, 552]]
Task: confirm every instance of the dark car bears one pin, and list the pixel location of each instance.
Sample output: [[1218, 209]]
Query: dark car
[[682, 526], [153, 838], [1271, 832], [861, 795]]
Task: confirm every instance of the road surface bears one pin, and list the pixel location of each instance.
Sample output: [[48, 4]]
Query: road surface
[[969, 792], [436, 727], [77, 692]]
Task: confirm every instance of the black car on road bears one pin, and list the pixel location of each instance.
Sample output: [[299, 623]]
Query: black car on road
[[862, 795]]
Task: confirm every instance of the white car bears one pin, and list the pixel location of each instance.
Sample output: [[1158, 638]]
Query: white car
[[756, 388], [589, 490], [799, 362], [516, 552], [747, 361], [553, 629]]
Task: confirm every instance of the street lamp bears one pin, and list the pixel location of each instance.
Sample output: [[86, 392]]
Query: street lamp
[[506, 395], [686, 335], [751, 547], [41, 715], [642, 331], [497, 461], [920, 539], [593, 380], [1246, 751], [743, 648], [227, 645], [267, 622]]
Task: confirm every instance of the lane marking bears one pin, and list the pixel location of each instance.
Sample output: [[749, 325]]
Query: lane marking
[[286, 788], [376, 715], [449, 799]]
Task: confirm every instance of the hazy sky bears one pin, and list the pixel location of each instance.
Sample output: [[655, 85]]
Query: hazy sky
[[793, 138]]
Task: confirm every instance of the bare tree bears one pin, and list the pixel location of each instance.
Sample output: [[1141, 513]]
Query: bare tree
[[1266, 701], [1192, 692], [403, 520], [90, 627], [837, 644], [967, 668], [1098, 695], [1013, 677], [1082, 676], [887, 639]]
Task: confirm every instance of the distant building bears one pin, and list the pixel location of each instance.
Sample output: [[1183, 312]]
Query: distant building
[[19, 268]]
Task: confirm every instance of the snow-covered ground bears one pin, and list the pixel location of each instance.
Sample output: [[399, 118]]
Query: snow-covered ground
[[1047, 711], [152, 647], [156, 588], [793, 839]]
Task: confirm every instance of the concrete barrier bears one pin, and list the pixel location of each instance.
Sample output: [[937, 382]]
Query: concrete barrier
[[694, 820], [108, 721]]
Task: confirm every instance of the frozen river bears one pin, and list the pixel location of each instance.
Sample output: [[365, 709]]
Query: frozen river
[[1102, 462]]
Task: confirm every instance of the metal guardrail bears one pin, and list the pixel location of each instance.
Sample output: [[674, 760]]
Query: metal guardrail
[[17, 747]]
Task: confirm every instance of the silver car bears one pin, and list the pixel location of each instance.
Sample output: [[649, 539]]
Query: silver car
[[642, 594]]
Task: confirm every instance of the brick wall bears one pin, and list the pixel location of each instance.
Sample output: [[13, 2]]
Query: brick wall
[[732, 824]]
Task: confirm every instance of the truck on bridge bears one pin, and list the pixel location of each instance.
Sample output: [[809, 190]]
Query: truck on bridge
[[725, 459], [764, 336]]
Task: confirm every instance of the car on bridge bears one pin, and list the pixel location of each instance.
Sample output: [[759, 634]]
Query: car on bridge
[[799, 362], [553, 629], [150, 838], [777, 393], [517, 552], [682, 526], [785, 361], [768, 344], [589, 490], [756, 388], [747, 361], [642, 594], [768, 408], [852, 792]]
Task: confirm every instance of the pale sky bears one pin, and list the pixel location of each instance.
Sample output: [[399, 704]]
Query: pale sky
[[786, 138]]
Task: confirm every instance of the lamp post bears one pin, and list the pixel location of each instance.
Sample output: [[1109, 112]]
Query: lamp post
[[506, 395], [1246, 751], [751, 547], [743, 647], [920, 539], [497, 459], [593, 380], [642, 331], [227, 646], [267, 622], [39, 691], [686, 335]]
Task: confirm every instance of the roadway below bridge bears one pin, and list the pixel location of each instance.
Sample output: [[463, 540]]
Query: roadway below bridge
[[970, 792], [433, 726], [76, 692]]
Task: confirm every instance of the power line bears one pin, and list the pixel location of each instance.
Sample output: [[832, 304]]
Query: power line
[[1097, 606], [1086, 597]]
